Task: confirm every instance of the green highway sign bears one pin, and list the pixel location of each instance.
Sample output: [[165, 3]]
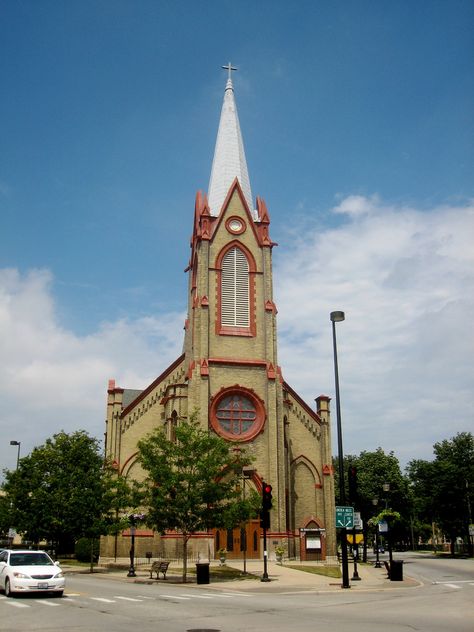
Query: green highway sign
[[344, 517]]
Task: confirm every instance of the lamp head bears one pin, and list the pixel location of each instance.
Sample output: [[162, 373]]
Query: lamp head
[[14, 443], [337, 317]]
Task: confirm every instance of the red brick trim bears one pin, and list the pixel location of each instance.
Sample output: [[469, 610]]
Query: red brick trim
[[153, 385]]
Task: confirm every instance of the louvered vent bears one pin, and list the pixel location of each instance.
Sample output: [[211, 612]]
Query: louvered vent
[[235, 289]]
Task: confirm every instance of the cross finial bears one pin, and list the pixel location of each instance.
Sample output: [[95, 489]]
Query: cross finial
[[230, 68]]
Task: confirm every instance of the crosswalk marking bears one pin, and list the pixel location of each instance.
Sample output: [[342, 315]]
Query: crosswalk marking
[[140, 598], [17, 604], [452, 586], [103, 599], [127, 598]]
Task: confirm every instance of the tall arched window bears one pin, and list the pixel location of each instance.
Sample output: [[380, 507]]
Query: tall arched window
[[235, 289]]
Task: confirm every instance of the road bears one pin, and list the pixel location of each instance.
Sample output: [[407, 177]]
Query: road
[[442, 603]]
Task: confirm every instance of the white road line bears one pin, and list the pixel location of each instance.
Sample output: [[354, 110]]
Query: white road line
[[17, 604], [174, 597], [103, 599], [145, 597], [236, 594], [196, 596], [127, 598], [218, 595], [452, 586], [43, 602]]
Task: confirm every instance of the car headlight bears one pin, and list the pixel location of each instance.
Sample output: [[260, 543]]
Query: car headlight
[[59, 575], [21, 575]]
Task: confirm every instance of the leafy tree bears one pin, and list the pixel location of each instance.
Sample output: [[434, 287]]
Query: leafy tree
[[193, 482], [63, 491], [373, 470], [5, 516], [444, 488]]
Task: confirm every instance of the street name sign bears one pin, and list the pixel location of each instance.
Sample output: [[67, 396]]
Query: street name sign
[[344, 517]]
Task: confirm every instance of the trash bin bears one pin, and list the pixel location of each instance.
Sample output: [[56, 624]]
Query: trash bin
[[396, 571], [202, 573]]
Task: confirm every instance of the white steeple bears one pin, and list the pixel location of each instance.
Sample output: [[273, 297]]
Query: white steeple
[[229, 156]]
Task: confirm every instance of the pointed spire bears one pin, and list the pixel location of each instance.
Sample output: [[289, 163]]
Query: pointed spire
[[229, 156]]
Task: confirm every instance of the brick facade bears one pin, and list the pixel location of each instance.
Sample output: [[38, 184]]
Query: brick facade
[[292, 445]]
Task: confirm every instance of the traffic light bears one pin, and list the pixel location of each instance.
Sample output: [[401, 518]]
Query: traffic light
[[266, 505], [265, 519], [352, 476], [266, 497]]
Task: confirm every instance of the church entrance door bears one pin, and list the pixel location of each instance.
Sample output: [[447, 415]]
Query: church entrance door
[[239, 541]]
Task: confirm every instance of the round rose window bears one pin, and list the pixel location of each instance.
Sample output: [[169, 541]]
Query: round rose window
[[237, 415]]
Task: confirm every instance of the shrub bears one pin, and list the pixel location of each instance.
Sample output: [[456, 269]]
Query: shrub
[[83, 550]]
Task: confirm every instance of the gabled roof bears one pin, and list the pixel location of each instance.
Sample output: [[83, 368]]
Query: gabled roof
[[229, 156]]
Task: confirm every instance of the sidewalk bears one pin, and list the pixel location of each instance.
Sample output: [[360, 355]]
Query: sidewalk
[[282, 578]]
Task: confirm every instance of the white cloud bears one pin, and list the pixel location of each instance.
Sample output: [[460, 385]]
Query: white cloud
[[51, 379], [405, 279]]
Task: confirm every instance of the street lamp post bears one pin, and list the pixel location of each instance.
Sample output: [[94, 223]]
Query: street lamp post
[[375, 502], [386, 489], [337, 317], [131, 570], [17, 443]]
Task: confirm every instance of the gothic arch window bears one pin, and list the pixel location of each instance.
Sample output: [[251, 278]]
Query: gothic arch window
[[237, 414], [236, 268]]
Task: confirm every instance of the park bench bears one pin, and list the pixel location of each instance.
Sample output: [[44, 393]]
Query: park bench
[[159, 567]]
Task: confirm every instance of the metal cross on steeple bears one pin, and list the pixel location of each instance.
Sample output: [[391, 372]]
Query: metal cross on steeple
[[230, 68]]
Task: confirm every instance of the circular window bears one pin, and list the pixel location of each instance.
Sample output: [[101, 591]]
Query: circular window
[[235, 225], [237, 414]]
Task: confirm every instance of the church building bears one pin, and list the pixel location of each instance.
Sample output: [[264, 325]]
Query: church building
[[229, 373]]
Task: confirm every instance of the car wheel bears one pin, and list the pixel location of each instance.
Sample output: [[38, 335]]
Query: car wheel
[[58, 593], [8, 591]]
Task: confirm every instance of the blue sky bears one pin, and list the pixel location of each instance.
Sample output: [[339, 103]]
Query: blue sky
[[357, 120]]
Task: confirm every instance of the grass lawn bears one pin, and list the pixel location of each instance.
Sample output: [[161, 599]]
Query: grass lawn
[[326, 571]]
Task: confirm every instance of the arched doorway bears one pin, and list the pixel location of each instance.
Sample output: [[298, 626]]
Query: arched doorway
[[239, 542]]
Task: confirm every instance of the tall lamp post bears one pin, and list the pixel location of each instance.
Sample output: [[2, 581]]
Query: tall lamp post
[[17, 443], [338, 317], [386, 489]]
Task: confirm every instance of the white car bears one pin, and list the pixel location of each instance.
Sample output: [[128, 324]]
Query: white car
[[30, 571]]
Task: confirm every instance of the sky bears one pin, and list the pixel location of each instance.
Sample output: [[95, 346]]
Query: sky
[[357, 120]]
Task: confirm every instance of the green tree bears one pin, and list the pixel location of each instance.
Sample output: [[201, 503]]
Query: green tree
[[193, 483], [422, 481], [374, 470], [444, 488], [5, 516], [63, 491]]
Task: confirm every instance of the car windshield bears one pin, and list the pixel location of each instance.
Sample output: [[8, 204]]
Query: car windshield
[[30, 559]]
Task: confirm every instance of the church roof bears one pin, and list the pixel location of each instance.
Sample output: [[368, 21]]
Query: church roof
[[229, 155]]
